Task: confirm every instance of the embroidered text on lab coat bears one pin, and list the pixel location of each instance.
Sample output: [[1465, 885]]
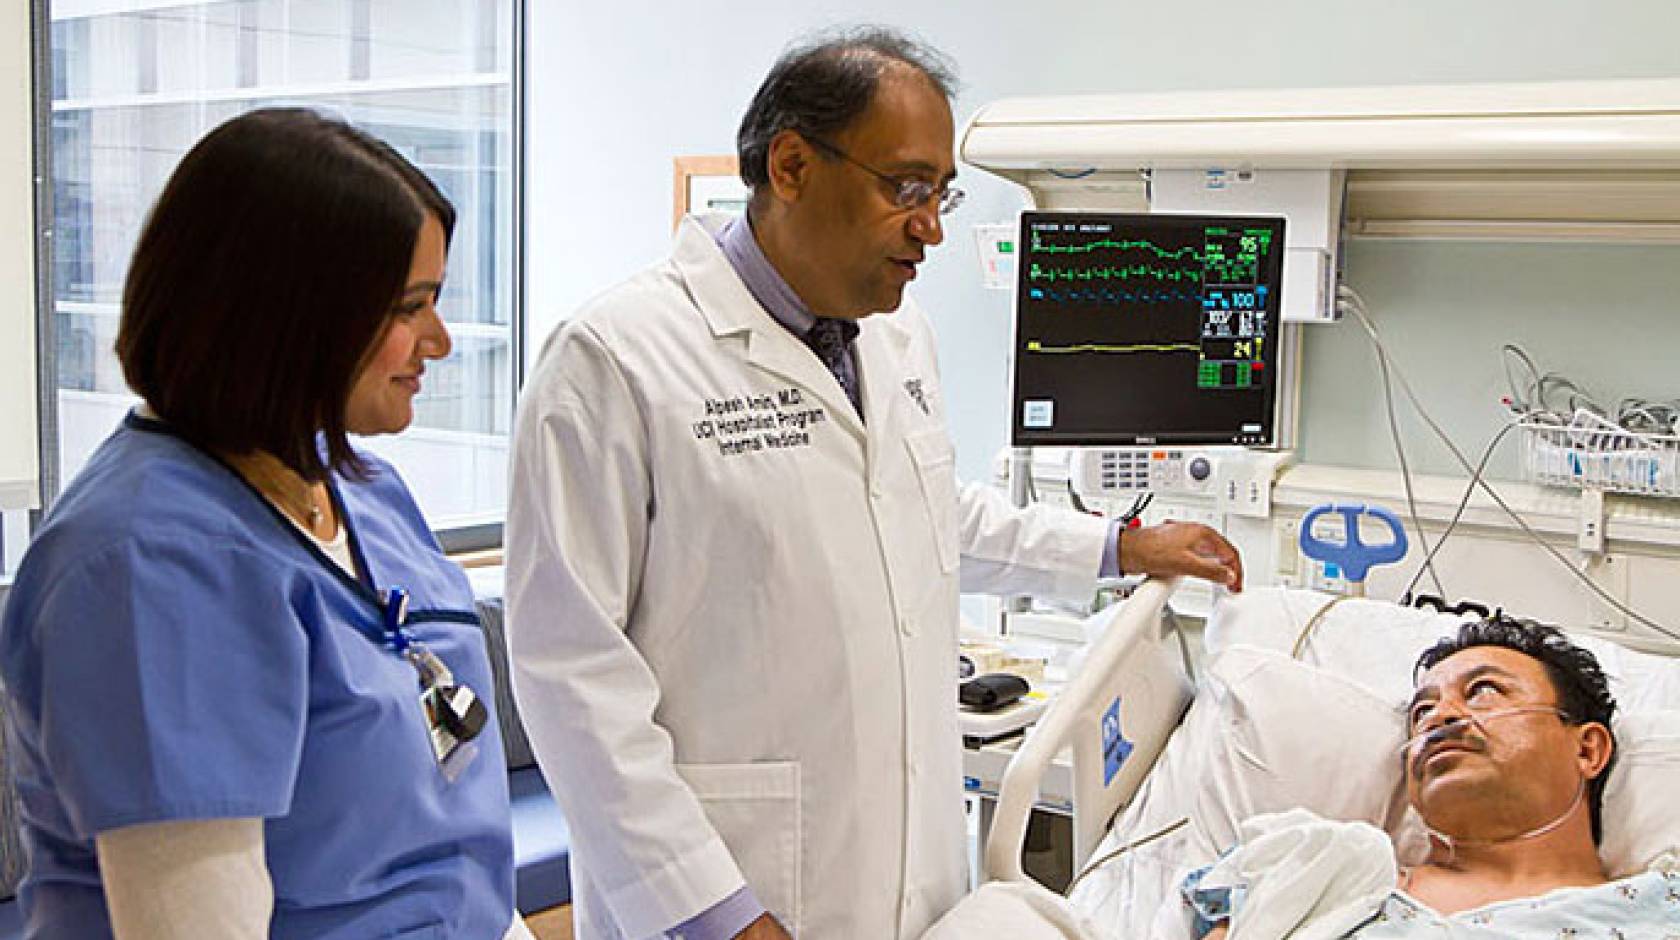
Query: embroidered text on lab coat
[[745, 424]]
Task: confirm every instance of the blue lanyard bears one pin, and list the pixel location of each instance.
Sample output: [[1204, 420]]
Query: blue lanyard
[[396, 614]]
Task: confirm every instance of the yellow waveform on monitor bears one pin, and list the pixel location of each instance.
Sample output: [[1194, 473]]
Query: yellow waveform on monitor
[[1034, 345]]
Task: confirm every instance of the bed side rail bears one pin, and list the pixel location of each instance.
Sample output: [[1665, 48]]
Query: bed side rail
[[1115, 716]]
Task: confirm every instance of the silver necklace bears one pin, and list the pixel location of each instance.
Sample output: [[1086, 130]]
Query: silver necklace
[[311, 509]]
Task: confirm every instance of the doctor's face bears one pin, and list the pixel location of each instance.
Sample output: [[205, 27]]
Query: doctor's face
[[865, 247], [382, 395]]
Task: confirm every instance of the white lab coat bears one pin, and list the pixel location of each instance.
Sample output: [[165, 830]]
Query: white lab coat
[[738, 659]]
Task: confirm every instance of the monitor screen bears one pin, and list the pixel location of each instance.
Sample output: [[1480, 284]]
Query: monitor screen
[[1146, 329]]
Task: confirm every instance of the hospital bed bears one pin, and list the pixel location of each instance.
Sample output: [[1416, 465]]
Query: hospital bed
[[1300, 703]]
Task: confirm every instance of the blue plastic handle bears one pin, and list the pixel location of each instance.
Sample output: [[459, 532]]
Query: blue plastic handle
[[1353, 556]]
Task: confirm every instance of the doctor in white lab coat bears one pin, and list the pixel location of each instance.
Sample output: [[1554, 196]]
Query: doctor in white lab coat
[[735, 545]]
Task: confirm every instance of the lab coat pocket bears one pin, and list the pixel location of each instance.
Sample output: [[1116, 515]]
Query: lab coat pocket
[[756, 809], [936, 468]]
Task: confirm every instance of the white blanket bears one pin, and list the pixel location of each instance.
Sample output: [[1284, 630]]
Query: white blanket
[[1302, 877], [1016, 911]]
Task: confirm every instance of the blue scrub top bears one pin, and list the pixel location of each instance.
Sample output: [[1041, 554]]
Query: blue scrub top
[[174, 649]]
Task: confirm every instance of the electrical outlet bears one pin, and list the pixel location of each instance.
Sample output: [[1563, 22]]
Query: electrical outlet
[[1243, 486], [1589, 534], [1286, 548]]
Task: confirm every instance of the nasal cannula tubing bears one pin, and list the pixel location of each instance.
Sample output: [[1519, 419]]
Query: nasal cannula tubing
[[1474, 720]]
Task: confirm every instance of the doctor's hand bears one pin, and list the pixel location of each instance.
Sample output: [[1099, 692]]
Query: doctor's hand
[[1181, 548], [765, 928]]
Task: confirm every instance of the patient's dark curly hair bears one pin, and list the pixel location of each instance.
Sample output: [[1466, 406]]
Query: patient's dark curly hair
[[1583, 692]]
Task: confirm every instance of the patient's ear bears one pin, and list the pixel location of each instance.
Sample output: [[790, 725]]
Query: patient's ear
[[1594, 750]]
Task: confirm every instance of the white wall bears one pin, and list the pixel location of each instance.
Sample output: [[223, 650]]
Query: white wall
[[617, 89], [18, 451]]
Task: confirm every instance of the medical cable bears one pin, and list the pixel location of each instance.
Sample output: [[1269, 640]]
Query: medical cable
[[1312, 625], [1183, 644], [1357, 307], [1405, 467], [1458, 513], [1535, 398], [1406, 472], [1139, 504], [1535, 401], [1642, 416], [1074, 500], [1519, 400], [1452, 728], [1122, 850]]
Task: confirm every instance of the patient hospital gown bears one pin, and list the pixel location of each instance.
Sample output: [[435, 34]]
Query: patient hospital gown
[[1303, 877], [1644, 907]]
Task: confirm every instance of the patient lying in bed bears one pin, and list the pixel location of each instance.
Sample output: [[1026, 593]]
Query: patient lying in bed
[[1509, 753]]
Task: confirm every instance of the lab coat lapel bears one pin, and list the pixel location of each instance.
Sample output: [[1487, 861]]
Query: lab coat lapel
[[731, 311], [881, 351]]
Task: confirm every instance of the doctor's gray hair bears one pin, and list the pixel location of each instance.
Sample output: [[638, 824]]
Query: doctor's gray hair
[[826, 81]]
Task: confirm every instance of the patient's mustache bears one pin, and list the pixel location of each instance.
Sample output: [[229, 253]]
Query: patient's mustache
[[1460, 733]]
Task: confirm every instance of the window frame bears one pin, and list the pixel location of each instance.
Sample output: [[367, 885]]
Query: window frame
[[46, 338]]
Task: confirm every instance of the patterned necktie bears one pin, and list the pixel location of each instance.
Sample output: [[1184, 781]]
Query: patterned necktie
[[829, 339]]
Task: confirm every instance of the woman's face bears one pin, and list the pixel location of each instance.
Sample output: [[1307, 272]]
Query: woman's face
[[382, 396]]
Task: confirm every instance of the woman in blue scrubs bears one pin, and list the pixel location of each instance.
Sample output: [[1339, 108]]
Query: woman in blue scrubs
[[248, 693]]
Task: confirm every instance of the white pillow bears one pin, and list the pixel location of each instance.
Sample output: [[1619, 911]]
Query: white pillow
[[1265, 734], [1376, 643], [1640, 822], [1373, 643]]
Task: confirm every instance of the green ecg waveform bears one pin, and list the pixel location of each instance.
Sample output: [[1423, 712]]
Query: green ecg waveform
[[1035, 346], [1178, 255], [1126, 272], [1227, 256]]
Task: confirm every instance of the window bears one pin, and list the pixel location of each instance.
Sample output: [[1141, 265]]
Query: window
[[135, 84]]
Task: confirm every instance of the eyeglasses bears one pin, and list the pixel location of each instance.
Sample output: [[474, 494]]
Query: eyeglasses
[[909, 192]]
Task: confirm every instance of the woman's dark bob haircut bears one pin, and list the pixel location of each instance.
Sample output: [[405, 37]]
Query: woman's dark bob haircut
[[265, 273]]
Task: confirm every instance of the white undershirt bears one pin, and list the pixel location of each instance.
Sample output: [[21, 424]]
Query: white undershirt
[[198, 878], [336, 548], [203, 878]]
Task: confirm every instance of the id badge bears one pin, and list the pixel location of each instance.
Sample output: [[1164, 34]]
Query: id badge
[[453, 713], [454, 754]]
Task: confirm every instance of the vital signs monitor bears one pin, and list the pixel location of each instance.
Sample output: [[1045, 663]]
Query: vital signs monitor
[[1146, 329]]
